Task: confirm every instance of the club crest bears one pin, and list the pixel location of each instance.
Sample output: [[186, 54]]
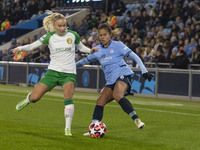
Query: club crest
[[69, 41], [111, 51]]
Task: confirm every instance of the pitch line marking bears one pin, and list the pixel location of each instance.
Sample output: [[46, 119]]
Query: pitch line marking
[[110, 105], [93, 98], [172, 112]]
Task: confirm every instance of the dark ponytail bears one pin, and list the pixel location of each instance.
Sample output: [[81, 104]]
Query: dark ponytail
[[105, 26]]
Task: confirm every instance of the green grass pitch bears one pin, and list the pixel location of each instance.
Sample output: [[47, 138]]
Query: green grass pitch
[[170, 124]]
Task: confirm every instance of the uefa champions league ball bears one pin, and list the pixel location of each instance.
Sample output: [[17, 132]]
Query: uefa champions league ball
[[97, 129]]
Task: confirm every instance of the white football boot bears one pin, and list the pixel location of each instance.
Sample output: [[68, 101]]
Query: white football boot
[[86, 134], [139, 123]]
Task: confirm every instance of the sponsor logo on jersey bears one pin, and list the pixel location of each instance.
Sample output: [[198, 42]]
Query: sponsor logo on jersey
[[69, 41], [64, 49], [125, 48], [122, 77], [111, 51], [107, 58]]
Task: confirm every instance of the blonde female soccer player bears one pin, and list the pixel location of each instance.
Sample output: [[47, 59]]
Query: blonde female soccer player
[[62, 67]]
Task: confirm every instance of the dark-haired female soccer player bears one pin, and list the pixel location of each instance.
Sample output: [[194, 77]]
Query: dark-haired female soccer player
[[117, 73]]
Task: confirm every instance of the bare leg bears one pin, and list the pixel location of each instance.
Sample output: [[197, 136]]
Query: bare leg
[[38, 92], [119, 90], [104, 98], [68, 90], [118, 94]]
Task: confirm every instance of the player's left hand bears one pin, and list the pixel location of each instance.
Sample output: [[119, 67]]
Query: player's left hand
[[94, 49], [147, 76], [15, 51]]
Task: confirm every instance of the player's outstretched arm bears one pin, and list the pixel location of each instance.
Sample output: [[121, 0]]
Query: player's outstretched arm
[[27, 47], [145, 73], [135, 57], [82, 62], [85, 49], [86, 60]]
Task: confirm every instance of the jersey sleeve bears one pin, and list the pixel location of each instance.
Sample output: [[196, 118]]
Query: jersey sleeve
[[83, 48], [135, 57], [124, 49], [87, 60], [31, 46], [45, 38]]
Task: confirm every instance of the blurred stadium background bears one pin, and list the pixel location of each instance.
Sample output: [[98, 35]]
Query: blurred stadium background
[[164, 34]]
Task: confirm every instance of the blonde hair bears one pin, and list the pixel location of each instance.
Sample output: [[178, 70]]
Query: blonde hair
[[49, 21]]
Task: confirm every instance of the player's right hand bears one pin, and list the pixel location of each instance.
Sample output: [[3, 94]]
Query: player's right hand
[[94, 49], [15, 51]]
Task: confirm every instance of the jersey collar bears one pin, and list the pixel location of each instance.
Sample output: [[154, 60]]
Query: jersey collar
[[63, 34], [108, 45]]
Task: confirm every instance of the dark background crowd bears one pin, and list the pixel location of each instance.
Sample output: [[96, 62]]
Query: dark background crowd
[[161, 31], [18, 10]]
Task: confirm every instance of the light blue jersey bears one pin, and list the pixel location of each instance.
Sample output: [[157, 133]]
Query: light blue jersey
[[112, 61]]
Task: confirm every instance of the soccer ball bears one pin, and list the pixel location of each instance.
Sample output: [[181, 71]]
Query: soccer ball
[[97, 129]]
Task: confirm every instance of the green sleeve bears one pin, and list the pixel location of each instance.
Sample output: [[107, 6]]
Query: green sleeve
[[77, 37], [45, 39]]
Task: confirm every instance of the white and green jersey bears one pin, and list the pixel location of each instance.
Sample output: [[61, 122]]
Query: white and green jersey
[[62, 50]]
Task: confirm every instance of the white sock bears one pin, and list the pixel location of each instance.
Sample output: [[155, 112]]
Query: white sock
[[27, 98], [94, 120], [69, 113]]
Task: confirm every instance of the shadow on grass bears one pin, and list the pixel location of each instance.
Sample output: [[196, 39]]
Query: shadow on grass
[[48, 136]]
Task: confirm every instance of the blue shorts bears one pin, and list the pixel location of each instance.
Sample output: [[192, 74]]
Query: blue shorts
[[127, 79]]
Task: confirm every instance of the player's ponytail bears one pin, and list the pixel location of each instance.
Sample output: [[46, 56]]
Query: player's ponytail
[[114, 32], [48, 21]]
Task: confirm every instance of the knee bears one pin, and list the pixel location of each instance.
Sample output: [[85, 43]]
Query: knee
[[117, 96], [34, 98], [101, 102]]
